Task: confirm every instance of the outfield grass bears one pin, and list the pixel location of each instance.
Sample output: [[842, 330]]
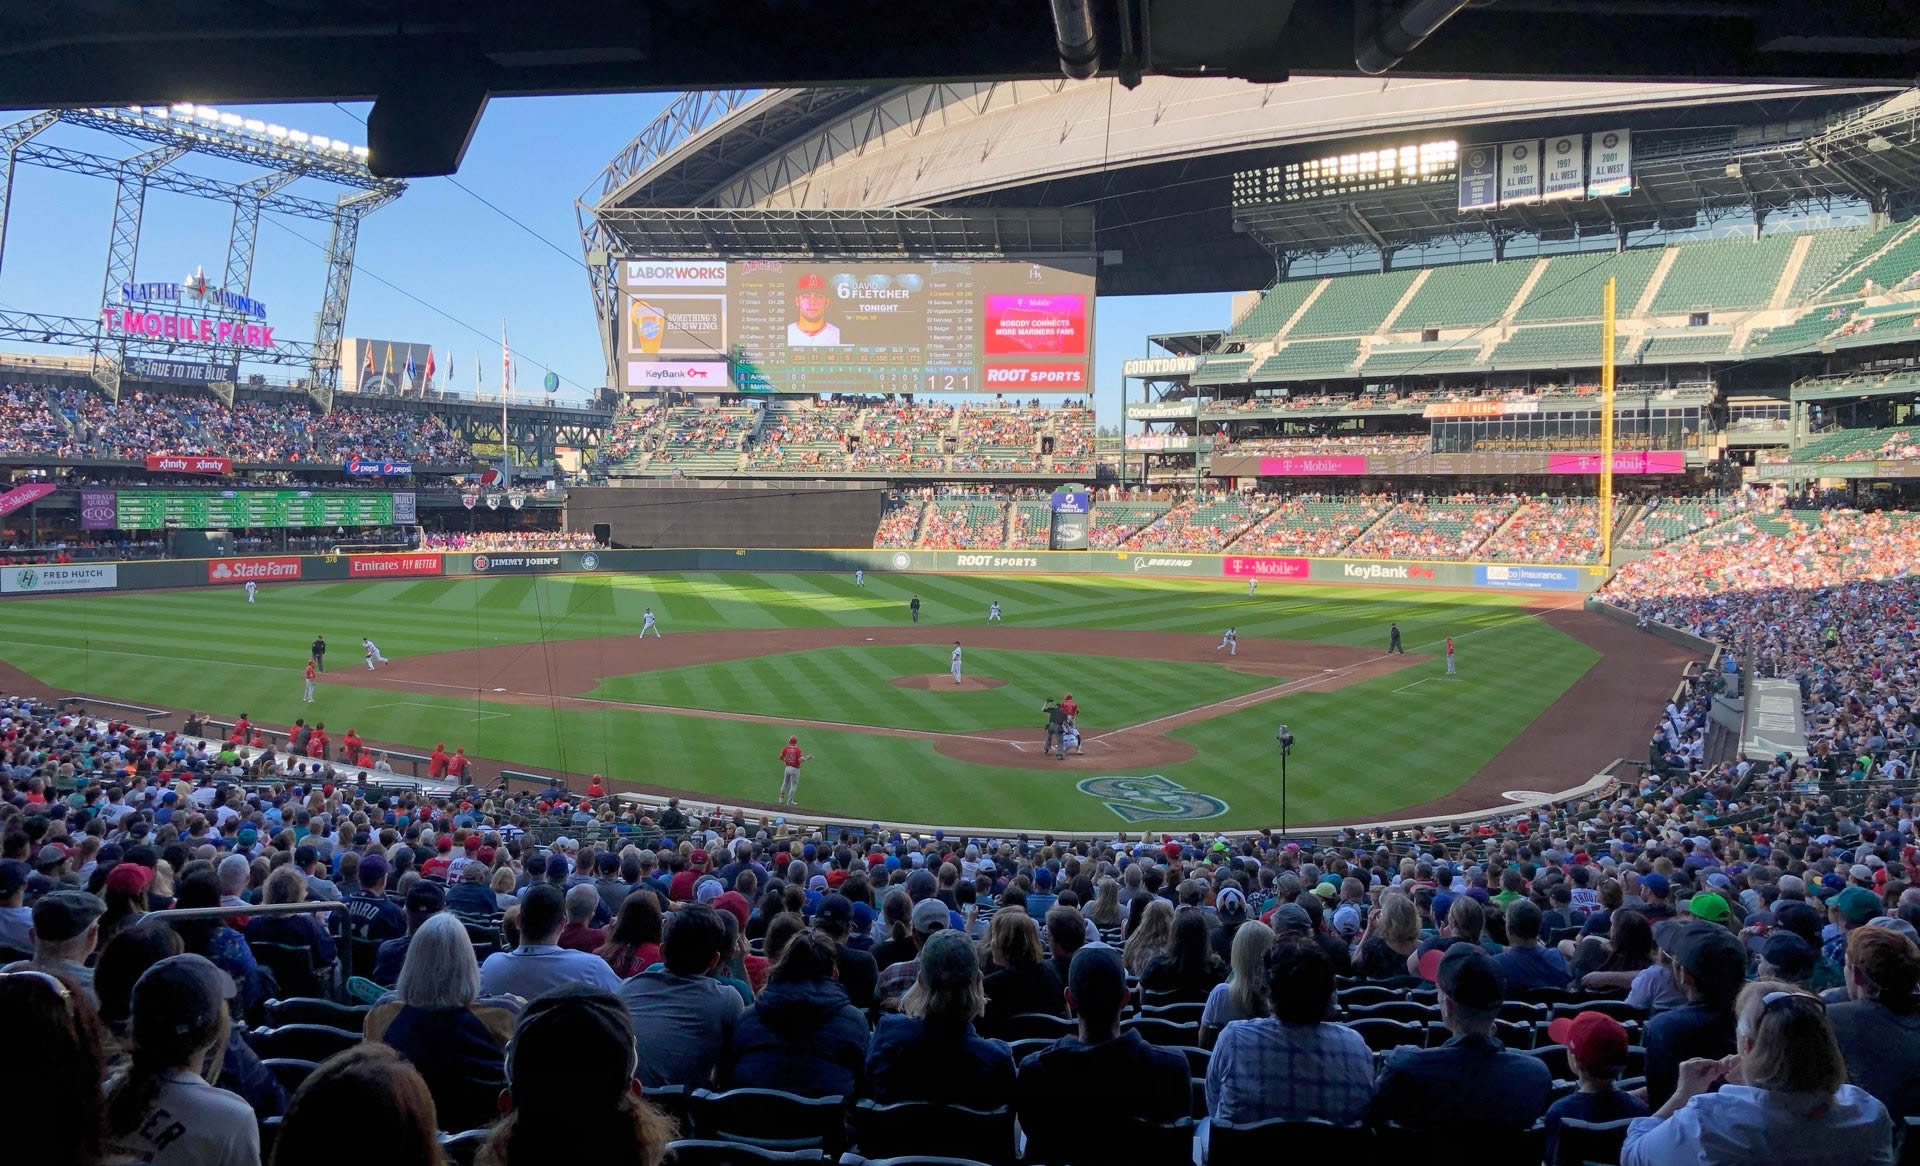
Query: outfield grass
[[1365, 748]]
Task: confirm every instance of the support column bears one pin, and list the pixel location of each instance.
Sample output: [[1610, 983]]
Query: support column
[[123, 251], [242, 236], [12, 137], [323, 375]]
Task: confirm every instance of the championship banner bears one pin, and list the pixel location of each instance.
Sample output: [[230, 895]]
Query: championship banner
[[469, 500], [406, 508], [1566, 168], [176, 463], [1519, 173], [1479, 178], [1610, 173], [20, 496], [493, 502]]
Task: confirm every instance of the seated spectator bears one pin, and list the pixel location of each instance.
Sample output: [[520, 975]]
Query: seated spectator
[[61, 1076], [1021, 980], [389, 1104], [633, 943], [1293, 1064], [66, 926], [571, 1083], [1188, 970], [1244, 995], [470, 896], [1463, 921], [1597, 1053], [929, 916], [213, 938], [162, 1109], [1878, 1027], [856, 969], [370, 914], [434, 1024], [424, 901], [1709, 965], [801, 1035], [930, 1052], [125, 892], [1151, 936], [16, 919], [1065, 1082], [288, 885], [681, 1015], [1065, 931], [539, 963], [1528, 963], [1391, 937], [1783, 1097], [579, 934], [1614, 961], [1470, 1078]]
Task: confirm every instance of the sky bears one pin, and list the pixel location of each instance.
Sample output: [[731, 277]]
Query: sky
[[438, 266]]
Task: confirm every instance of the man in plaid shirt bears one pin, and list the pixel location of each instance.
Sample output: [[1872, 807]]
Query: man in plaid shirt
[[1294, 1064], [929, 916]]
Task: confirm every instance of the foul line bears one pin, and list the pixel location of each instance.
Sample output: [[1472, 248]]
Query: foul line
[[479, 714]]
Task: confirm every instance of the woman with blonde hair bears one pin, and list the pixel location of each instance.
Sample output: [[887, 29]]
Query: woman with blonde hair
[[1244, 995], [1106, 911], [502, 887], [1150, 937], [1391, 936], [1023, 979], [1782, 1097]]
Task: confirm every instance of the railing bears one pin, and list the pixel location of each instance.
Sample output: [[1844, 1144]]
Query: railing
[[82, 704], [263, 911]]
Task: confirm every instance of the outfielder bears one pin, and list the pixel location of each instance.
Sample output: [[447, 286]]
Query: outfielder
[[1250, 586], [956, 661], [1449, 655], [993, 612], [373, 653], [859, 578], [1230, 641], [790, 759], [251, 588], [310, 671], [647, 625]]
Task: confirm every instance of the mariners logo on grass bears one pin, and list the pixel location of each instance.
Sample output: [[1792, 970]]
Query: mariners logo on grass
[[902, 561], [1152, 798], [589, 562]]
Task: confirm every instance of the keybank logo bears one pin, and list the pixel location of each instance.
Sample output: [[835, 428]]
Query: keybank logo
[[1372, 571]]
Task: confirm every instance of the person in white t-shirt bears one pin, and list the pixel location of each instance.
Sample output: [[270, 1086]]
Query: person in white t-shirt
[[161, 1108]]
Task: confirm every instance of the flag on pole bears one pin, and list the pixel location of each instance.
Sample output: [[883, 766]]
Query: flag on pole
[[429, 377], [408, 385], [450, 369], [366, 372], [387, 369], [506, 363]]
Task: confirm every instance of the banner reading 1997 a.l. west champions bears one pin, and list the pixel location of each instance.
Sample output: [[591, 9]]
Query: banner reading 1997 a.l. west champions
[[785, 326]]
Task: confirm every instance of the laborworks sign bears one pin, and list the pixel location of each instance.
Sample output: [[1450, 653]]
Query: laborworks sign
[[1527, 578]]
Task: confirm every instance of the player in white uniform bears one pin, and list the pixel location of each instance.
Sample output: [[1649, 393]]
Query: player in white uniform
[[1230, 641], [859, 578], [373, 653], [1250, 584], [956, 661], [993, 612], [251, 588], [647, 625]]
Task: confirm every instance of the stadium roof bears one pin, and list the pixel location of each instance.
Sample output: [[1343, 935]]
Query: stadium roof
[[431, 65]]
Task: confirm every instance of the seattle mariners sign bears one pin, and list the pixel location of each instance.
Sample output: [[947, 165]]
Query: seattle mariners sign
[[1151, 799], [58, 577]]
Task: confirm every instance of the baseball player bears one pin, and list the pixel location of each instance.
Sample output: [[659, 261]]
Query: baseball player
[[373, 653], [251, 588], [913, 609], [993, 612], [1393, 640], [1449, 655], [790, 759], [859, 577], [311, 670], [1250, 585], [1230, 641], [647, 625], [1070, 738], [956, 661]]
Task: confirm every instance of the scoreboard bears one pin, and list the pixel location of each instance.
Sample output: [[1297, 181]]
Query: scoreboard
[[233, 509]]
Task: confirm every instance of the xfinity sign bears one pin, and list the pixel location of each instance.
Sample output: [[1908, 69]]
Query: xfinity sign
[[660, 273]]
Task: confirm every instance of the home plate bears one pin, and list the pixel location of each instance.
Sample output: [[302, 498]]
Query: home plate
[[499, 690]]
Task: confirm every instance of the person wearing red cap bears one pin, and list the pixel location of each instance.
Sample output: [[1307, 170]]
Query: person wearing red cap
[[680, 890], [1069, 706], [437, 760], [352, 742], [596, 788], [442, 861], [811, 329], [790, 759], [457, 764], [1597, 1054]]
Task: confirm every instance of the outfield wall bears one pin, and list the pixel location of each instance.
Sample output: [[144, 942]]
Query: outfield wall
[[273, 569]]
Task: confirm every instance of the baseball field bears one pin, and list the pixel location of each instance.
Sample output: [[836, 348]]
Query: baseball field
[[547, 674]]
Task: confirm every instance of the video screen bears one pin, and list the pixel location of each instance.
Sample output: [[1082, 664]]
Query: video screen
[[1010, 327]]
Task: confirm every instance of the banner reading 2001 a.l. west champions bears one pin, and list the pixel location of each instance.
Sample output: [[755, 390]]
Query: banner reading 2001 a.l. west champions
[[826, 326]]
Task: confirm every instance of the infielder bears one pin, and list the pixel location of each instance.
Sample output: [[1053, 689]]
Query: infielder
[[251, 588], [1230, 641], [790, 759], [647, 625], [373, 653], [1449, 655], [310, 673], [993, 612], [956, 661], [859, 578]]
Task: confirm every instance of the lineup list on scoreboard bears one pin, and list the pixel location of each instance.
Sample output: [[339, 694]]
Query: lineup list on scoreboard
[[155, 510]]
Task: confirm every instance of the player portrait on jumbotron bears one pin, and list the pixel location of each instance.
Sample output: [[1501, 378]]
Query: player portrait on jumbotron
[[810, 328]]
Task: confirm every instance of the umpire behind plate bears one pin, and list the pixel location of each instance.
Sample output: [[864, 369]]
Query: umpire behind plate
[[1056, 726]]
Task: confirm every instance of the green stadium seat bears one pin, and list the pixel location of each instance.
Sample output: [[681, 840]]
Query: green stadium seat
[[1353, 305], [1464, 295], [1265, 319], [1669, 349], [1310, 359], [1569, 288], [1724, 275]]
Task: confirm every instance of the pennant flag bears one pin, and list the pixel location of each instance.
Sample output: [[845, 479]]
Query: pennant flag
[[409, 385], [366, 372], [449, 368], [387, 371], [429, 379], [506, 363]]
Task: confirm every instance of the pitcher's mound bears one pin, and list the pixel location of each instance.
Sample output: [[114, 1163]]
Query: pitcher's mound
[[943, 682]]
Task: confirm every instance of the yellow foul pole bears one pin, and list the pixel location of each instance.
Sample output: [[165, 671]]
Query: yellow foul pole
[[1606, 424]]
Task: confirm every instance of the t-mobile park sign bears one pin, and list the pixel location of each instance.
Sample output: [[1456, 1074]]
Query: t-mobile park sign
[[167, 326]]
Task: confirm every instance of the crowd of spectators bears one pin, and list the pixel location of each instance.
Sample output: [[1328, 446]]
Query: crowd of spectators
[[1548, 530], [1205, 520], [1312, 524], [1443, 527], [512, 540], [964, 525], [900, 525], [1336, 443]]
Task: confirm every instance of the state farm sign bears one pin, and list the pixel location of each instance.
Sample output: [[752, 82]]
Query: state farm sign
[[180, 463], [254, 570]]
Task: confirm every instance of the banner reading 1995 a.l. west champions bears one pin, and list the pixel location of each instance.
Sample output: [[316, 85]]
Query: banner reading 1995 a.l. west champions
[[786, 326]]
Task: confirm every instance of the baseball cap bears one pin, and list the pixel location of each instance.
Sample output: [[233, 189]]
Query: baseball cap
[[128, 878], [1594, 1037], [579, 1026], [444, 843], [835, 908], [1291, 917], [52, 854], [373, 868], [1097, 978], [63, 915], [1857, 904], [1326, 890], [557, 865], [793, 740], [13, 876], [1706, 951], [1468, 976], [1230, 903], [697, 858], [929, 915], [180, 995], [1792, 956], [813, 281], [426, 898], [1655, 884], [1709, 906]]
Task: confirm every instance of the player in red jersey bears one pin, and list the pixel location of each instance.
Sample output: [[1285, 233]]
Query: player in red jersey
[[790, 758]]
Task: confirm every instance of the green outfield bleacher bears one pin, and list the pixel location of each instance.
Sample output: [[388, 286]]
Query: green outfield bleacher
[[1858, 445], [1832, 252], [1113, 522], [1803, 333], [1421, 358], [1569, 345], [1223, 369], [1275, 308], [1668, 349], [1305, 358], [1569, 289], [1353, 305], [1464, 295], [963, 523], [1723, 275], [1029, 526], [1885, 270], [1669, 519], [1320, 527]]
